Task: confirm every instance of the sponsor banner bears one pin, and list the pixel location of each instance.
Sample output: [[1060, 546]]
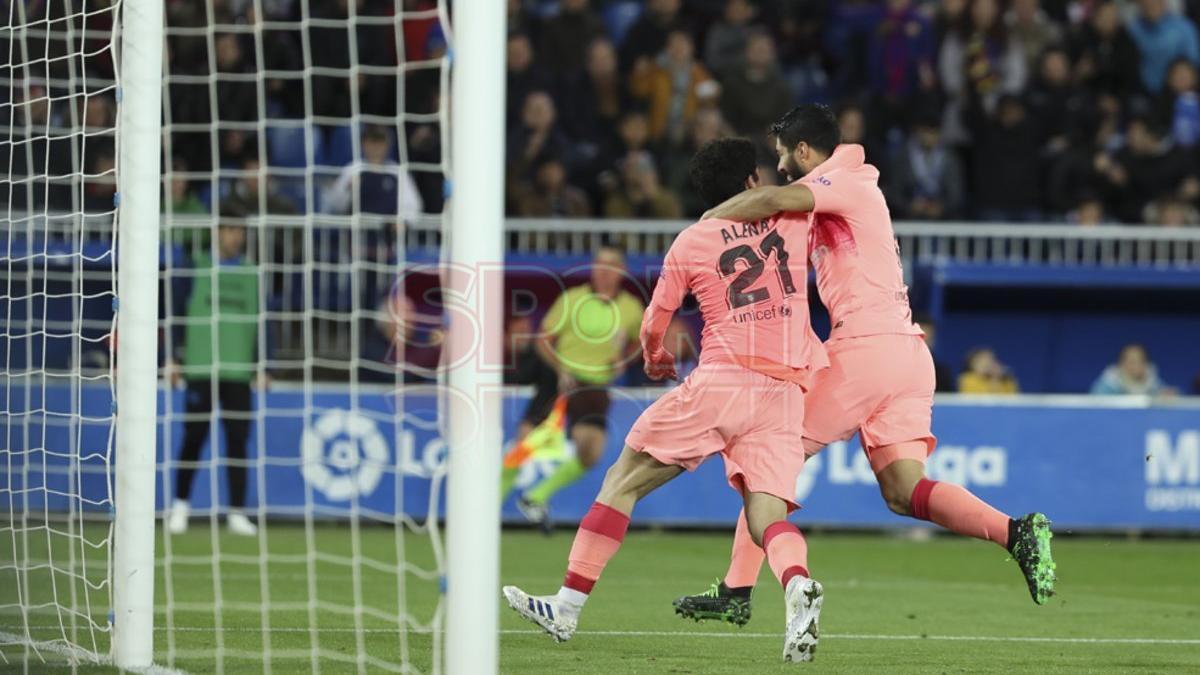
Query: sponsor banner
[[382, 454]]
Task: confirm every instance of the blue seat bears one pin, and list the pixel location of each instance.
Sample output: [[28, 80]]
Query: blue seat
[[338, 148]]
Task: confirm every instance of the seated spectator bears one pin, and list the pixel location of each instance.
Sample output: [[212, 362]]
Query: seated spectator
[[1133, 373], [376, 183], [1032, 29], [1006, 163], [566, 36], [1161, 37], [753, 91], [725, 45], [251, 196], [593, 100], [538, 135], [902, 56], [1054, 100], [181, 199], [414, 340], [1171, 212], [1181, 103], [984, 374], [1150, 166], [525, 76], [673, 88], [648, 35], [551, 196], [925, 180], [1106, 58], [1089, 211], [708, 126], [944, 377], [979, 60], [639, 194]]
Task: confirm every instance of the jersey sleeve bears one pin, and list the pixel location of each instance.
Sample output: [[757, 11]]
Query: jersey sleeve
[[668, 295], [836, 193]]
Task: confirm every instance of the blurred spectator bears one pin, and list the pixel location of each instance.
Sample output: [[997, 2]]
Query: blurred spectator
[[524, 75], [708, 126], [537, 136], [237, 96], [181, 199], [1148, 167], [639, 194], [725, 45], [566, 36], [984, 374], [1182, 104], [1005, 162], [1032, 29], [925, 181], [979, 60], [1133, 373], [593, 100], [648, 35], [944, 376], [672, 87], [250, 195], [753, 92], [414, 340], [1106, 58], [1054, 100], [1161, 37], [376, 183], [1171, 212], [551, 196], [1089, 211], [902, 55], [100, 186]]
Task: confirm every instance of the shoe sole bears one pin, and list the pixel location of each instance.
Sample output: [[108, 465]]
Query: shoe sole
[[1044, 575], [738, 616], [803, 631], [517, 601]]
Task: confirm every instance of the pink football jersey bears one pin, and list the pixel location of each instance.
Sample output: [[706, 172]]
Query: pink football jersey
[[854, 251], [753, 295]]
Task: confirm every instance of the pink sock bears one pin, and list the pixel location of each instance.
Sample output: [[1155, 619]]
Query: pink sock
[[959, 511], [597, 540], [787, 552], [746, 558]]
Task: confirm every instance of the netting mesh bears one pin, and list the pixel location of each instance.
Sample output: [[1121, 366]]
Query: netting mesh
[[303, 175]]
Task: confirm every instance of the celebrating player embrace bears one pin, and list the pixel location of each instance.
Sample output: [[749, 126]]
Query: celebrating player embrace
[[741, 402], [881, 377]]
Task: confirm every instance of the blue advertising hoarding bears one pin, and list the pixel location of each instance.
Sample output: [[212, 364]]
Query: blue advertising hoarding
[[1088, 464]]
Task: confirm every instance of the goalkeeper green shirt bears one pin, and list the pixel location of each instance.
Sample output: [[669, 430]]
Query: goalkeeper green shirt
[[235, 299], [592, 331]]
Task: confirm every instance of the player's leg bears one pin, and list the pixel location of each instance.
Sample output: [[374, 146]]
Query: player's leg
[[236, 407], [545, 382], [587, 422], [197, 409], [597, 540]]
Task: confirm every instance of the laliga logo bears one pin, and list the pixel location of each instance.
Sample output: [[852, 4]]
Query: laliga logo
[[344, 455], [985, 466], [1172, 470]]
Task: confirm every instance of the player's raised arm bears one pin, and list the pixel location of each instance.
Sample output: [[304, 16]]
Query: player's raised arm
[[668, 295], [762, 202]]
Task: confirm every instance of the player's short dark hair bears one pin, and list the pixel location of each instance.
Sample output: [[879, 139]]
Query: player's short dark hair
[[719, 169], [811, 123]]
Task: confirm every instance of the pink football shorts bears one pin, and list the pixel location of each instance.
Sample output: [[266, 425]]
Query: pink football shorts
[[750, 419], [879, 385]]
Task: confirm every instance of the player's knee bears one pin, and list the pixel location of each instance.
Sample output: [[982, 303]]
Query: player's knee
[[897, 497]]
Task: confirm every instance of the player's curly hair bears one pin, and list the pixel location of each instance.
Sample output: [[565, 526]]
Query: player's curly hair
[[811, 123], [719, 169]]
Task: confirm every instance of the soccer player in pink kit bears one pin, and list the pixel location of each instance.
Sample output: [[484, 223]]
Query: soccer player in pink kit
[[881, 377], [758, 351]]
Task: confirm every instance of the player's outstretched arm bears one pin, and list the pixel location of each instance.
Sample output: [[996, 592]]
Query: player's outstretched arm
[[764, 201]]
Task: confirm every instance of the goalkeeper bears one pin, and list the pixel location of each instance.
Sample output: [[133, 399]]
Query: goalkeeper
[[223, 298], [587, 337]]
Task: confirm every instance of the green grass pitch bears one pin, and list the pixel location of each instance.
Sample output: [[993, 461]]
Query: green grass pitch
[[891, 605]]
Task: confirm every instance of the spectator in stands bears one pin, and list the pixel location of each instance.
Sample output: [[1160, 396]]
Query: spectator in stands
[[376, 183], [1161, 37], [100, 187], [984, 374], [1106, 58], [525, 76], [1055, 102], [181, 199], [1171, 212], [220, 367], [1032, 29], [255, 194], [707, 126], [944, 376], [902, 57], [648, 35], [1150, 166], [979, 61], [565, 36], [1089, 211], [237, 98], [1181, 103], [551, 196], [725, 45], [640, 195], [753, 92], [593, 100], [673, 88], [925, 179], [1005, 161], [537, 136], [414, 340], [1132, 374]]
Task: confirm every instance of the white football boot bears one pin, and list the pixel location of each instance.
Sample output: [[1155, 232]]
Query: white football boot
[[545, 611], [802, 600], [177, 519], [239, 524]]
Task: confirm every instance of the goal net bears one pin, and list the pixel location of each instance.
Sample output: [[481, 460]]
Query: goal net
[[300, 455]]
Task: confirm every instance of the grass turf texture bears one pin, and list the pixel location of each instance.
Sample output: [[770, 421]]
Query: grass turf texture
[[917, 594]]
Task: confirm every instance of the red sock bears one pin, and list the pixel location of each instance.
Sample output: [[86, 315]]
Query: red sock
[[597, 540], [959, 511], [746, 559], [787, 552]]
